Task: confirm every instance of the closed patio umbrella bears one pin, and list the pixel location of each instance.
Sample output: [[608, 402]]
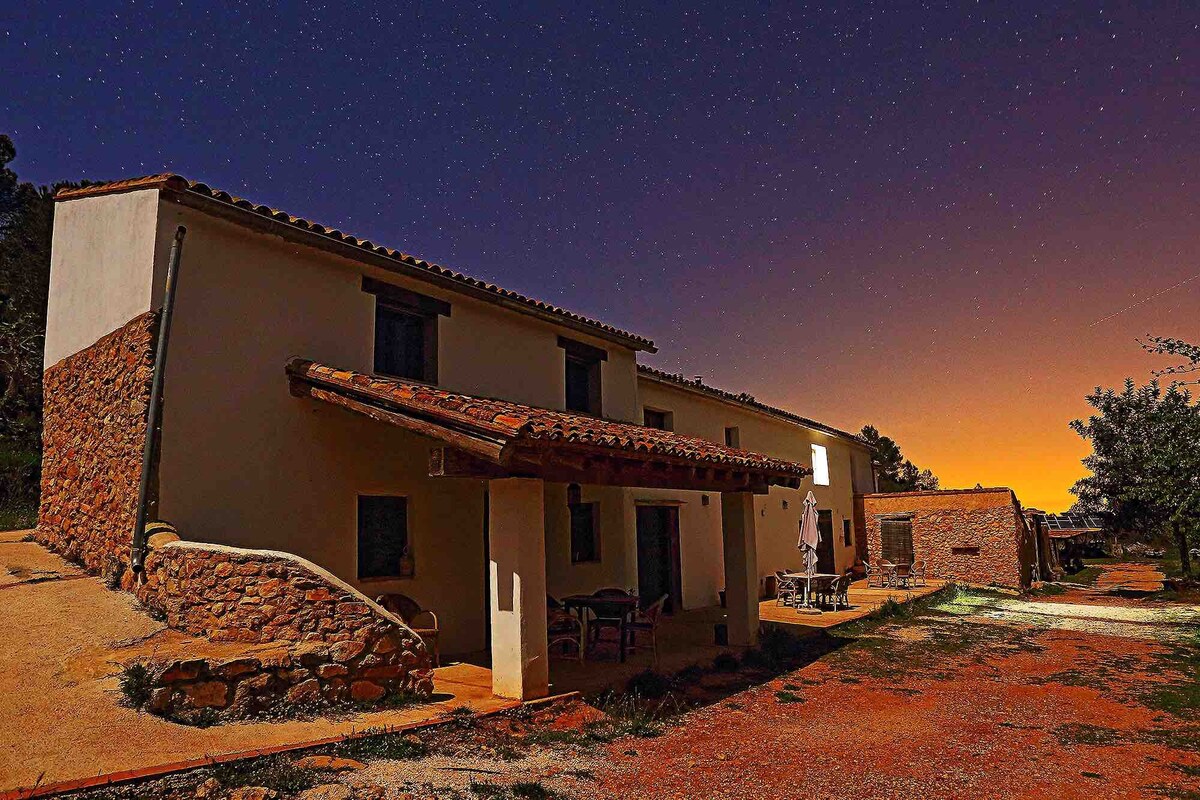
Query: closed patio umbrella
[[810, 537]]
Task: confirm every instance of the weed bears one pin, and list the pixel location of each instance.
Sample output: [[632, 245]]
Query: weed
[[689, 674], [1095, 735], [785, 696], [463, 717], [486, 789], [136, 682], [650, 684], [531, 791], [388, 746], [274, 772]]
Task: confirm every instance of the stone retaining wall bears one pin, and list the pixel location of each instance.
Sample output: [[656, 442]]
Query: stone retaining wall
[[94, 430], [329, 642]]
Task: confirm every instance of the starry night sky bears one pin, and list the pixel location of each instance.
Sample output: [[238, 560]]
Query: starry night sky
[[948, 221]]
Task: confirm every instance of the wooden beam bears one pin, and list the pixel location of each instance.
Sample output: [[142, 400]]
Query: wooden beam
[[483, 448], [449, 462]]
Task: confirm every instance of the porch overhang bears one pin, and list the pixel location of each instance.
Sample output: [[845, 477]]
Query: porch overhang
[[487, 438]]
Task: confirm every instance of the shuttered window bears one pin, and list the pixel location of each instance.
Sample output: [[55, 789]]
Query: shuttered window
[[897, 541]]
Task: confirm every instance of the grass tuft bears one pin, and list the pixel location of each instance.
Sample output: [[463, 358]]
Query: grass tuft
[[135, 683]]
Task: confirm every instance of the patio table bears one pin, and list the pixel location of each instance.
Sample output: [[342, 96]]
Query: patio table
[[808, 580], [625, 605]]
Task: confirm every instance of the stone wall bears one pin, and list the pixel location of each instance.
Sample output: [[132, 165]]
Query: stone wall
[[972, 536], [94, 431], [326, 641]]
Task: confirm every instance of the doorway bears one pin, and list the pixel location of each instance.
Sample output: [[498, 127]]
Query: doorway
[[658, 555], [825, 560]]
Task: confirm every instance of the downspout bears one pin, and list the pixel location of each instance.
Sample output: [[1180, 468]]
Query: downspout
[[137, 553]]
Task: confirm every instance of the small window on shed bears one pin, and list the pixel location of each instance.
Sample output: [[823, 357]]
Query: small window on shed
[[382, 536]]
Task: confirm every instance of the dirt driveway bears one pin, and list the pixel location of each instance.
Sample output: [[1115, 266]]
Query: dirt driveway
[[986, 697]]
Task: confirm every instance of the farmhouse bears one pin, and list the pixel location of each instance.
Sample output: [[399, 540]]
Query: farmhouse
[[353, 421]]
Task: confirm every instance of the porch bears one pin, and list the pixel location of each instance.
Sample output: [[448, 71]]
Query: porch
[[864, 600], [516, 452]]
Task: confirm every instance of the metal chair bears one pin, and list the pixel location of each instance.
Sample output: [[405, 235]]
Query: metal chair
[[423, 623], [607, 616]]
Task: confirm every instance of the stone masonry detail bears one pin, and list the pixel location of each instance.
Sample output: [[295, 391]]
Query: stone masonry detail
[[93, 435], [325, 641], [974, 536]]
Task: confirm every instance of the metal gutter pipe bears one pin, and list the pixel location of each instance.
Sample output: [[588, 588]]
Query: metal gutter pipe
[[137, 553]]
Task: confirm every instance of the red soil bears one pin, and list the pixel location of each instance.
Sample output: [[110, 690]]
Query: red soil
[[1001, 717]]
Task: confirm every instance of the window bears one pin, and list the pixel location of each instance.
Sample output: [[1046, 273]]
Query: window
[[964, 551], [847, 539], [582, 376], [382, 536], [585, 544], [896, 540], [733, 437], [406, 327], [820, 465], [663, 420]]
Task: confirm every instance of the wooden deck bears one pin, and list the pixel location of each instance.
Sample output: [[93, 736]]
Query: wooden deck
[[863, 600]]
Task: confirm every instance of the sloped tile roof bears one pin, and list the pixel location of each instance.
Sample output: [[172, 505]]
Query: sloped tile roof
[[744, 399], [178, 183], [516, 422]]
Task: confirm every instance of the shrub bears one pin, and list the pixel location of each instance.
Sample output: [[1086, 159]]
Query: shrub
[[136, 682], [725, 662], [388, 746], [274, 772]]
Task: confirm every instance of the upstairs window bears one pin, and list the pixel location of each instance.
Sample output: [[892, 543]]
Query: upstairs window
[[733, 437], [847, 538], [583, 376], [662, 420], [820, 465], [382, 536], [406, 328]]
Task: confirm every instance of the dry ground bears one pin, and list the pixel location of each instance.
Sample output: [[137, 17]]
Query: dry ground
[[1078, 695]]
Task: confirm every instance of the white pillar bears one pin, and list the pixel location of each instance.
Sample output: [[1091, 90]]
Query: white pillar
[[517, 546], [741, 567]]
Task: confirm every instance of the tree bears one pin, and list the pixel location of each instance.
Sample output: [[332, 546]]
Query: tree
[[26, 222], [1166, 346], [1145, 460], [896, 473]]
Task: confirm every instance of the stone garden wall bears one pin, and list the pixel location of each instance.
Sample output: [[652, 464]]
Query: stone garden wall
[[94, 430], [971, 536], [326, 642]]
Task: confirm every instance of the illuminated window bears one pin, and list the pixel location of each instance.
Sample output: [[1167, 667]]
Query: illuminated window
[[820, 465]]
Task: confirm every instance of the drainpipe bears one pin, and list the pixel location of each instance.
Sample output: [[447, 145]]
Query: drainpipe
[[137, 553]]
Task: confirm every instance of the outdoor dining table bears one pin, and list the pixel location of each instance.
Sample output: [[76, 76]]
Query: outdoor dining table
[[625, 605], [808, 580]]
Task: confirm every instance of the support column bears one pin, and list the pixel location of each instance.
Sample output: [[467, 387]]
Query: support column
[[741, 567], [517, 547]]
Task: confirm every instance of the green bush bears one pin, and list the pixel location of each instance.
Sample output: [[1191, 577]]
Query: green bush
[[136, 682]]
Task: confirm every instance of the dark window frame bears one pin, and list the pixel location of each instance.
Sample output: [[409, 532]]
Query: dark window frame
[[583, 359], [847, 534], [406, 307], [733, 436], [665, 417], [889, 553], [368, 568]]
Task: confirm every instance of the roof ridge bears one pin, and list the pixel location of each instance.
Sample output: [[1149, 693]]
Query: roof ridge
[[176, 182], [743, 398]]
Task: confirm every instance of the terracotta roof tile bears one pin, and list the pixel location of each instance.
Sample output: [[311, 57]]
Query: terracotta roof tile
[[519, 422], [178, 183]]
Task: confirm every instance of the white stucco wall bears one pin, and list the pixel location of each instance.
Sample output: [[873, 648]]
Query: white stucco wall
[[776, 528], [245, 463], [101, 268]]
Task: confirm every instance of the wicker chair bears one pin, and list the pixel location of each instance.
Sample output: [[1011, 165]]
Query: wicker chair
[[423, 623], [874, 575], [786, 590], [918, 573], [606, 617], [563, 628], [647, 622], [841, 590], [887, 571]]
